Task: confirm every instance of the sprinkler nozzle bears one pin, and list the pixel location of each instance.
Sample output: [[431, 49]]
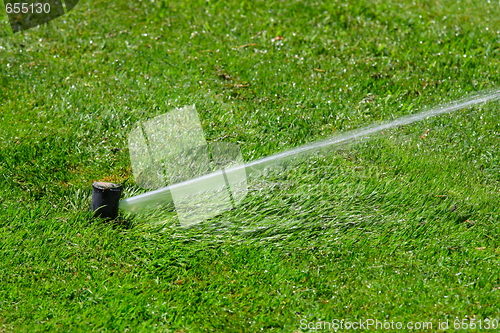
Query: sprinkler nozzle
[[105, 198]]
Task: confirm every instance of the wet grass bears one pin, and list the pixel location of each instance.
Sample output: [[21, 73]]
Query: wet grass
[[403, 227]]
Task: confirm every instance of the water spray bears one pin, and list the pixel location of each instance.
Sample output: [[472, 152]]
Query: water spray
[[210, 193]]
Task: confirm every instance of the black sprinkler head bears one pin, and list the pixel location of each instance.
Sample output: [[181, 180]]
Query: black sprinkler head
[[105, 198]]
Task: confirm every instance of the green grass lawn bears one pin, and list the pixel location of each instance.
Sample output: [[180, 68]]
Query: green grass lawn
[[399, 228]]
